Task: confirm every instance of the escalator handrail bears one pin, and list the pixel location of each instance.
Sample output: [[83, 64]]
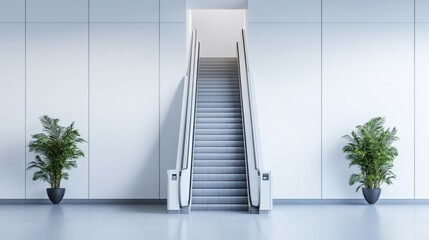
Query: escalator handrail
[[251, 102], [250, 133], [189, 94]]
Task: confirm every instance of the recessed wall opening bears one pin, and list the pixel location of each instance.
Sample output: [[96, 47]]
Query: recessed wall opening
[[218, 23], [218, 30]]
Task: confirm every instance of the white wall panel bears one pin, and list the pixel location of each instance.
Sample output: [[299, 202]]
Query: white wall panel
[[57, 11], [12, 107], [173, 10], [57, 85], [124, 111], [422, 110], [173, 69], [422, 11], [124, 10], [367, 72], [286, 73], [12, 10], [368, 10], [284, 11]]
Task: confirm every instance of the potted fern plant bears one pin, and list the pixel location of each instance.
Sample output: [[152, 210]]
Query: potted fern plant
[[370, 148], [56, 152]]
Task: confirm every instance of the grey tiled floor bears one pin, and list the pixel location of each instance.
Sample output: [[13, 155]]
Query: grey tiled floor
[[295, 222]]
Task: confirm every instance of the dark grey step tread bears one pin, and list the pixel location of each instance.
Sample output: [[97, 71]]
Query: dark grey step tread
[[219, 207], [213, 89], [230, 78], [219, 177], [217, 91], [218, 59], [232, 105], [205, 69], [207, 150], [219, 192], [214, 84], [219, 138], [199, 143], [218, 110], [220, 86], [227, 75], [216, 107], [224, 80], [218, 94], [218, 163], [217, 63], [221, 83], [211, 76], [211, 85], [219, 156], [219, 80], [219, 105], [218, 131], [219, 184], [227, 81], [218, 115], [214, 59], [221, 72], [211, 63], [228, 102], [217, 69], [218, 73], [214, 101], [219, 200], [219, 170], [218, 126], [218, 120], [223, 97]]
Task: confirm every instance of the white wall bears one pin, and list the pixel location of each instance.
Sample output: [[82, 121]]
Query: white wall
[[57, 85], [116, 74], [367, 72], [285, 65], [422, 99], [320, 72], [124, 108], [317, 73], [12, 107], [218, 31]]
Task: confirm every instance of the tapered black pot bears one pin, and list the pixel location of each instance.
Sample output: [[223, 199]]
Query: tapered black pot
[[56, 194], [371, 194]]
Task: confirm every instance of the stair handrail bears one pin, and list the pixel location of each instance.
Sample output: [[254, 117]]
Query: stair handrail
[[187, 122], [251, 133]]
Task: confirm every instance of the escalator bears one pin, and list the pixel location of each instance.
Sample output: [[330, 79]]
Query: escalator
[[218, 166], [219, 170]]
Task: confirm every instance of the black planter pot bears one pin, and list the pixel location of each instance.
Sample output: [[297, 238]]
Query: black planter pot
[[56, 194], [371, 194]]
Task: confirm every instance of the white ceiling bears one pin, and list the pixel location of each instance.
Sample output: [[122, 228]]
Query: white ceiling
[[216, 4]]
